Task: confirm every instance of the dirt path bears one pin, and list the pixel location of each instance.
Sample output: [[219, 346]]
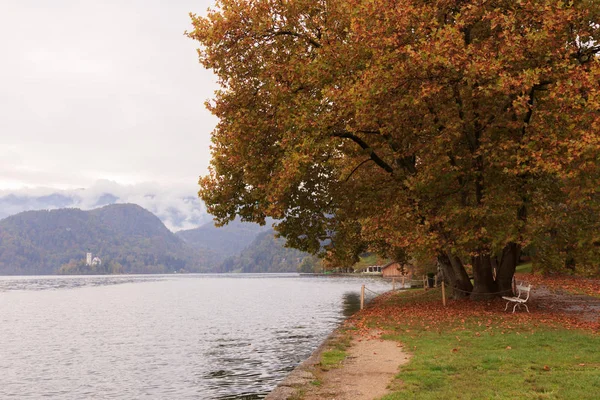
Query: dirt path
[[372, 363], [365, 374], [555, 294], [585, 308]]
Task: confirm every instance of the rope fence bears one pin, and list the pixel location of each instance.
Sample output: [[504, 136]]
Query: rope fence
[[405, 284], [374, 292], [514, 283], [426, 286], [466, 291]]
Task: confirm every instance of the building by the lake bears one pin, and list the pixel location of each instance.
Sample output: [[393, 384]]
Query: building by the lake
[[89, 261]]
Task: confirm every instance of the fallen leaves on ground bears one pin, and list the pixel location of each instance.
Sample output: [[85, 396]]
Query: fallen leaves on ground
[[419, 310], [563, 283]]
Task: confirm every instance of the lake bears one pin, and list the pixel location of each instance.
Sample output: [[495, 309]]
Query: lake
[[164, 337]]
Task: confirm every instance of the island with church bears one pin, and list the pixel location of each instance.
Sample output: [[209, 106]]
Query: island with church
[[91, 265]]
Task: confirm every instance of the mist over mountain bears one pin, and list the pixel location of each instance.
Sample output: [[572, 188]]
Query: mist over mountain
[[62, 226], [218, 244], [39, 242], [177, 208]]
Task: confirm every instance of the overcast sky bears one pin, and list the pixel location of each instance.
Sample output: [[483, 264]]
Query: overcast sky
[[102, 90]]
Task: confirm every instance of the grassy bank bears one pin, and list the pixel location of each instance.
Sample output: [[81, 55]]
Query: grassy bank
[[336, 350], [476, 351], [524, 268]]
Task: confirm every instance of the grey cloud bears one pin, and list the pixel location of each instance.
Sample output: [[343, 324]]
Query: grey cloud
[[102, 90], [177, 207]]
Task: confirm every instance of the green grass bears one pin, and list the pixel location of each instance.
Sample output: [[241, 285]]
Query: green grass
[[485, 362], [332, 358], [366, 261], [336, 352], [414, 296], [524, 268]]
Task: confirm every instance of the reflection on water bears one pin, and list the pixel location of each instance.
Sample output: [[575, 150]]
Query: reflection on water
[[183, 337], [351, 303]]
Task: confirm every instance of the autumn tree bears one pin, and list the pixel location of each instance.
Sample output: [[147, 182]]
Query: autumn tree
[[461, 129]]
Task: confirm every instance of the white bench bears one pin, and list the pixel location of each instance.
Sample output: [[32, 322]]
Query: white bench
[[520, 299]]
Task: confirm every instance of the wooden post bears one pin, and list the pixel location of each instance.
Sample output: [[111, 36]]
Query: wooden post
[[393, 283], [435, 281], [444, 293], [424, 282], [362, 297], [403, 280]]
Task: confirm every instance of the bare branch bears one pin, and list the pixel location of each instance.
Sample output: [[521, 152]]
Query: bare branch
[[586, 55], [461, 114], [530, 103], [284, 32], [378, 160], [357, 167]]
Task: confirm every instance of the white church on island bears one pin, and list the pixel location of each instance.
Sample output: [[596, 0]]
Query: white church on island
[[89, 261]]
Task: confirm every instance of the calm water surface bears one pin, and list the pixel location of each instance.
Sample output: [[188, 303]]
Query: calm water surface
[[164, 337]]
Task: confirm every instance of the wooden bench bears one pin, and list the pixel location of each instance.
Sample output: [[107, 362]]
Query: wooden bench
[[520, 299]]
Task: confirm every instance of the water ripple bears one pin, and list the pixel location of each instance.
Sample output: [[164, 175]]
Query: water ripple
[[185, 337]]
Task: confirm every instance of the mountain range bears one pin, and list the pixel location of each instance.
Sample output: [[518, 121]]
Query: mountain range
[[218, 244], [178, 208], [267, 253], [39, 242]]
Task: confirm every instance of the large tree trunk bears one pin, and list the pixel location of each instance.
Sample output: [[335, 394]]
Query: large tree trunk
[[506, 268], [485, 285], [455, 275]]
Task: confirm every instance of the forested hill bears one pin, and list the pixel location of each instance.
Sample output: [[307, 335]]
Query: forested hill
[[39, 242], [217, 244], [268, 254]]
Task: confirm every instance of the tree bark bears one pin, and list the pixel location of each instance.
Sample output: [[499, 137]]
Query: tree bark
[[507, 267], [485, 285], [446, 267], [455, 275]]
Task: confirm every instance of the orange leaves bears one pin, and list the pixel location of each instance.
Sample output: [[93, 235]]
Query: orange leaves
[[464, 317], [570, 284], [468, 103]]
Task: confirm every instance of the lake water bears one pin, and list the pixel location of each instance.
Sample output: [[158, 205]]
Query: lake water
[[164, 337]]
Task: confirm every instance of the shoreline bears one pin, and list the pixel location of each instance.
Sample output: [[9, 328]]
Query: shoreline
[[369, 366], [300, 378], [367, 370], [303, 374]]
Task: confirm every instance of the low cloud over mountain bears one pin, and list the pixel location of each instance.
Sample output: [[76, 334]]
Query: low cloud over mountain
[[177, 208]]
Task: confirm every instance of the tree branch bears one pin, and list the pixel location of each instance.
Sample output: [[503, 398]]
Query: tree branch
[[461, 114], [378, 160], [586, 55], [310, 40], [530, 102], [356, 168], [406, 162], [369, 132]]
